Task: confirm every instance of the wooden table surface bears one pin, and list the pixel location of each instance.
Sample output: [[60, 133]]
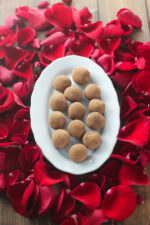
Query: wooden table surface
[[104, 10]]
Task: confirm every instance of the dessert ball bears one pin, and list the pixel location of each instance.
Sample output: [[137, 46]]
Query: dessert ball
[[76, 128], [58, 102], [95, 121], [92, 140], [73, 93], [60, 138], [97, 105], [61, 82], [92, 91], [81, 75], [78, 153], [57, 120], [76, 111]]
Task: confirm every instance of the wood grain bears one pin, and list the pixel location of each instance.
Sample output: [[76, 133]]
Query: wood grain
[[105, 10]]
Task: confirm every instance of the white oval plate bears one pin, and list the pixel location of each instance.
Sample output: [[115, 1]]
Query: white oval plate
[[40, 111]]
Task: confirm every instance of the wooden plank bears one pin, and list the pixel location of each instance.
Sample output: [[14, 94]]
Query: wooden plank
[[148, 10], [108, 10]]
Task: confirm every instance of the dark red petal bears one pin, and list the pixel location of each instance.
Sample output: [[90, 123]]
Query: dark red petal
[[22, 12], [23, 90], [64, 206], [6, 75], [85, 15], [25, 36], [46, 199], [88, 193], [58, 16], [68, 222], [13, 177], [43, 4], [107, 63], [112, 29], [127, 17], [124, 159], [67, 2], [122, 79], [98, 179], [30, 56], [3, 181], [35, 43], [127, 106], [13, 56], [139, 200], [128, 29], [92, 30], [3, 131], [141, 82], [44, 61], [84, 47], [125, 66], [132, 175], [7, 101], [54, 39], [136, 132], [109, 46], [18, 100], [11, 20], [119, 202], [52, 53], [2, 53], [37, 19], [25, 71], [3, 157], [44, 176]]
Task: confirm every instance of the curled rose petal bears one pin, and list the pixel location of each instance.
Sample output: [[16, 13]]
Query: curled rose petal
[[65, 205], [119, 202], [2, 54], [25, 71], [109, 46], [58, 16], [3, 131], [127, 17], [67, 2], [6, 75], [85, 15], [44, 176], [18, 100], [35, 43], [88, 193], [132, 175], [6, 99], [12, 20], [107, 63], [22, 12], [112, 29], [127, 106], [136, 132], [25, 36], [122, 78], [23, 89], [92, 30], [43, 4], [141, 82], [128, 29], [54, 39], [98, 179], [140, 63], [125, 66]]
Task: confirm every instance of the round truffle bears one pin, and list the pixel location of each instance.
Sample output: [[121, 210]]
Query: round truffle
[[73, 93], [61, 82], [76, 111], [78, 153], [92, 91], [76, 128], [57, 120], [92, 140], [97, 105], [60, 138], [95, 121], [58, 102], [81, 75]]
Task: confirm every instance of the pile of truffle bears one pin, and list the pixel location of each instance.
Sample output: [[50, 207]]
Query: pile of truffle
[[76, 111]]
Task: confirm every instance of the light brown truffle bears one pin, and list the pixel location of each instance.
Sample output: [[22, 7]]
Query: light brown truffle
[[78, 153], [76, 111], [73, 93], [95, 121], [57, 120], [76, 128], [92, 140], [97, 105], [58, 102], [81, 75], [60, 138], [92, 91], [61, 82]]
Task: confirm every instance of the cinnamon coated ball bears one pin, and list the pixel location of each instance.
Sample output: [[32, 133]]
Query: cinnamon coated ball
[[76, 128], [57, 120], [95, 121], [78, 153], [92, 140], [92, 91], [58, 102], [60, 138], [61, 82], [73, 93], [76, 111], [97, 105], [81, 75]]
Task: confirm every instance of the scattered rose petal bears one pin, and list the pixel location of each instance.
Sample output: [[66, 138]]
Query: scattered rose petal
[[3, 131], [22, 11], [54, 39], [12, 20], [107, 63], [127, 106], [112, 29], [43, 4], [6, 99], [67, 2], [92, 30], [6, 76], [122, 78], [25, 36], [35, 43], [23, 89], [85, 15]]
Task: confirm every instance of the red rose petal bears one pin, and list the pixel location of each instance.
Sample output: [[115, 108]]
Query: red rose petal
[[6, 75], [35, 43], [54, 39], [127, 106], [141, 63], [12, 20], [25, 71], [58, 16], [109, 46], [132, 175], [139, 200], [18, 100], [92, 30], [43, 4], [67, 2], [25, 36], [122, 79], [2, 54], [23, 89], [107, 63], [3, 131], [6, 99], [44, 176], [125, 66], [112, 29], [136, 132], [22, 12], [88, 193], [85, 15], [128, 29], [127, 17], [98, 179], [68, 222], [119, 202], [141, 82]]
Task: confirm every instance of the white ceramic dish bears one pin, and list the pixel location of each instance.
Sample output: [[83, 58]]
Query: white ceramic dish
[[40, 111]]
